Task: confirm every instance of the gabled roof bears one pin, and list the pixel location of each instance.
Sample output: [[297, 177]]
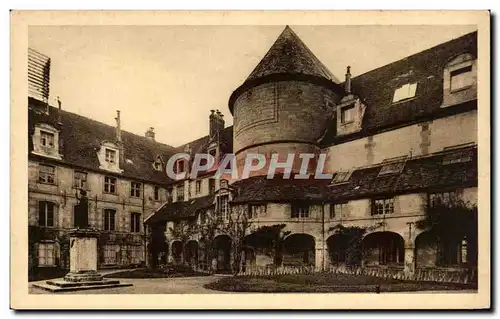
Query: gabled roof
[[81, 138], [376, 89], [290, 55]]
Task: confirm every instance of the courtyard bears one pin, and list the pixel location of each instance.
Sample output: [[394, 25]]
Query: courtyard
[[318, 282]]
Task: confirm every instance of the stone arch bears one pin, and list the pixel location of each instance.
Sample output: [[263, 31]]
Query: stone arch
[[299, 250], [383, 248], [446, 251], [338, 246], [222, 249], [191, 253]]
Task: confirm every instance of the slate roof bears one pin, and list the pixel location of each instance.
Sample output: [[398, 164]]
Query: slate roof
[[81, 138], [420, 174], [290, 55], [376, 88], [181, 210]]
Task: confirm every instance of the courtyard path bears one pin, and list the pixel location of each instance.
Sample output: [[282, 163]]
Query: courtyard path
[[191, 285]]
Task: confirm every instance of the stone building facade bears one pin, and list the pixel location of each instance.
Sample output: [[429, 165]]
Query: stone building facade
[[395, 139]]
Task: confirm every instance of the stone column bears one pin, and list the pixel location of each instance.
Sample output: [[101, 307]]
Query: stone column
[[321, 255], [409, 259]]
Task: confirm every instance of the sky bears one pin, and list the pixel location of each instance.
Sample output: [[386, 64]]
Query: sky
[[170, 77]]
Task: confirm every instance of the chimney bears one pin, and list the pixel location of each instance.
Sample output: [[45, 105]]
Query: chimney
[[220, 121], [212, 123], [121, 155], [348, 80], [118, 127], [150, 134], [59, 119]]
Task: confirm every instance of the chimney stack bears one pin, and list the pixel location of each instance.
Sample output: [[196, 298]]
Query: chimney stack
[[121, 155], [348, 80], [118, 127], [150, 134], [59, 118]]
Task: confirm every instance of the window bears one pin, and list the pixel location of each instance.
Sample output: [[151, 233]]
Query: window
[[169, 195], [347, 114], [198, 187], [444, 198], [404, 92], [180, 193], [337, 210], [224, 207], [461, 79], [47, 139], [109, 185], [110, 254], [110, 155], [157, 166], [46, 174], [46, 214], [109, 219], [300, 211], [203, 217], [383, 206], [80, 180], [392, 166], [135, 189], [341, 177], [211, 186], [462, 156], [135, 223], [257, 210], [157, 192], [46, 254]]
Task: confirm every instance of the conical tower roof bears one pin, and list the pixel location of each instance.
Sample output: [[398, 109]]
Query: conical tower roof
[[289, 55]]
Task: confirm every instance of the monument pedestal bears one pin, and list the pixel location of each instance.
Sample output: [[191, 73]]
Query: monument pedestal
[[83, 273], [83, 256]]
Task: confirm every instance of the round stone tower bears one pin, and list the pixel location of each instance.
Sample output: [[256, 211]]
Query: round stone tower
[[285, 105]]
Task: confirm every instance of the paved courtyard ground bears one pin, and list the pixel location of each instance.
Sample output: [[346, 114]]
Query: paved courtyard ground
[[191, 285]]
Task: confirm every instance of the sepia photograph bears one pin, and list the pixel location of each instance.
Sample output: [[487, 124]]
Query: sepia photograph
[[238, 159]]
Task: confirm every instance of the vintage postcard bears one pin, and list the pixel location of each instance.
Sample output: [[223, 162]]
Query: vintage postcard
[[239, 160]]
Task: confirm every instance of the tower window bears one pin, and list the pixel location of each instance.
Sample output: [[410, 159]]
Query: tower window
[[404, 92]]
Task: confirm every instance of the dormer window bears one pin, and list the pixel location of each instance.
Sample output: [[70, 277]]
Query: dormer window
[[342, 177], [347, 114], [459, 80], [157, 166], [404, 92], [110, 155], [393, 166], [46, 141]]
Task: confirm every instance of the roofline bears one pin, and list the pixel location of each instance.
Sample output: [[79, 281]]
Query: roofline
[[283, 77], [415, 54]]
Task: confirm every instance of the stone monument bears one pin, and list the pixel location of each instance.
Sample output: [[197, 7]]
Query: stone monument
[[83, 273]]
